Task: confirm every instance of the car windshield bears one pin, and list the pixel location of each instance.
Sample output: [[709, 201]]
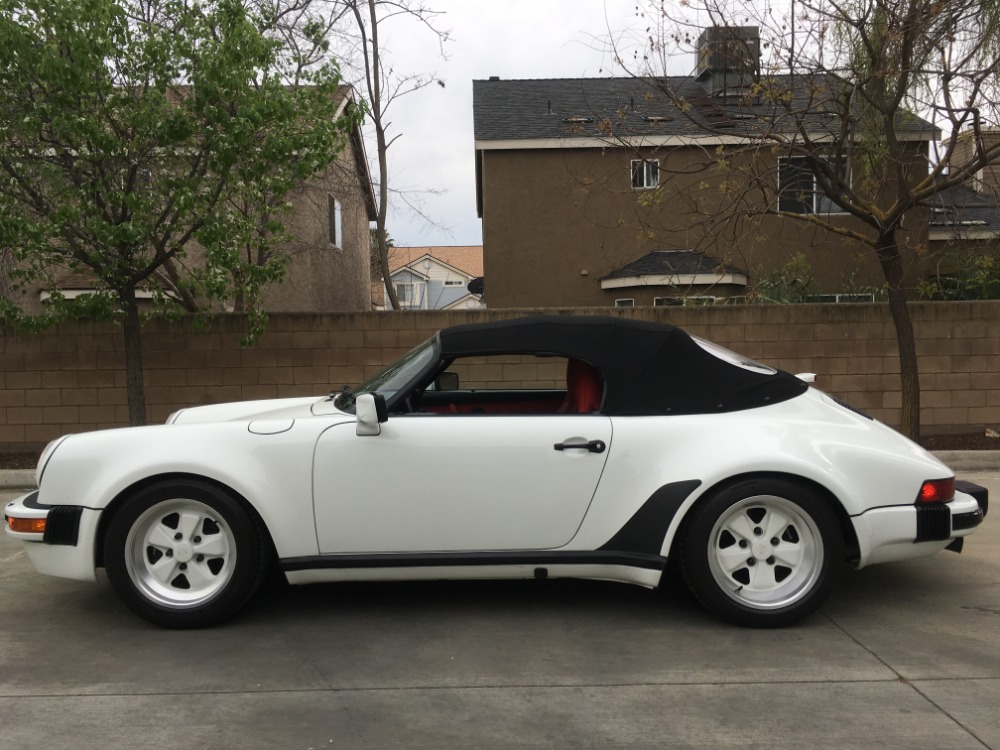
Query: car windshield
[[389, 380]]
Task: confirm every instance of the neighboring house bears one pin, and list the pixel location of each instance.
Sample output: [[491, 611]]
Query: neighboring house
[[328, 268], [433, 278], [588, 187], [963, 218], [966, 218]]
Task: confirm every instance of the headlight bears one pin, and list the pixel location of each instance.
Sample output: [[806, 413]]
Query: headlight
[[43, 460]]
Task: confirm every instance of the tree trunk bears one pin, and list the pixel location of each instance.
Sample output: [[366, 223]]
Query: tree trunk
[[909, 375], [134, 387], [374, 70]]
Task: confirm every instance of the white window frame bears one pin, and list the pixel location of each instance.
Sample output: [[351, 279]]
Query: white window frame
[[335, 221], [625, 302], [816, 202], [645, 174], [415, 297]]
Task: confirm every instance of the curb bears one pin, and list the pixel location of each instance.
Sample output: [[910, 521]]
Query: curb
[[970, 460], [17, 479], [24, 479]]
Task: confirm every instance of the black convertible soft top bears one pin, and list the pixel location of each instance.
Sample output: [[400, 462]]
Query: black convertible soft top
[[648, 368]]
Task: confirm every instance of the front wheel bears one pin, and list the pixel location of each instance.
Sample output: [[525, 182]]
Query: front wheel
[[185, 554], [762, 553]]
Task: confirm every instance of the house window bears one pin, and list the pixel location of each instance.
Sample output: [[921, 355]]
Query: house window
[[335, 218], [409, 293], [798, 192], [645, 174], [666, 302], [627, 302], [453, 282]]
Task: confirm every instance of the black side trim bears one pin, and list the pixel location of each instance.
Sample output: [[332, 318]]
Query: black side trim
[[62, 525], [966, 520], [645, 531], [933, 522], [457, 559], [979, 492]]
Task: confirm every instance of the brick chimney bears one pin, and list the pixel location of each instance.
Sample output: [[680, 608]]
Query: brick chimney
[[728, 57]]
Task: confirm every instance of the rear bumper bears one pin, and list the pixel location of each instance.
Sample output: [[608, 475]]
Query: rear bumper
[[901, 532], [981, 494]]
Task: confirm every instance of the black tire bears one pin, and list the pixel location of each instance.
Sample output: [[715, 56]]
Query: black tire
[[185, 554], [762, 553]]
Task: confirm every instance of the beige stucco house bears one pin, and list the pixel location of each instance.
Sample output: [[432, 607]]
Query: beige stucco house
[[609, 191]]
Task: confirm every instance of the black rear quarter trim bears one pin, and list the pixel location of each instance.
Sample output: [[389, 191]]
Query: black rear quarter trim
[[647, 528]]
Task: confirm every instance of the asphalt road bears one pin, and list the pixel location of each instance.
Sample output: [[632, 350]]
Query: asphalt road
[[904, 655]]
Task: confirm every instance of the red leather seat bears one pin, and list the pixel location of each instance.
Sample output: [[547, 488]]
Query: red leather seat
[[584, 388]]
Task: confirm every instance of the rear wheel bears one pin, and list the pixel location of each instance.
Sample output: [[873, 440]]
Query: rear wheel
[[762, 553], [185, 554]]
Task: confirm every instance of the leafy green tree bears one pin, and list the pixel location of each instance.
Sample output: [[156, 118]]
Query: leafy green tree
[[977, 276], [148, 143], [793, 282]]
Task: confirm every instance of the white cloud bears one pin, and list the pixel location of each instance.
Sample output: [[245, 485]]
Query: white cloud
[[508, 38]]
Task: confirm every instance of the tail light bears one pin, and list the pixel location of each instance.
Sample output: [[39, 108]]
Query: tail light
[[936, 491]]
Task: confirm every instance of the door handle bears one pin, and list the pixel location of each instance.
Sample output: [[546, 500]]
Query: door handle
[[594, 446]]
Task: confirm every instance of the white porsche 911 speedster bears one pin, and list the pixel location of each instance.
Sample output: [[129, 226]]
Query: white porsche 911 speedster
[[547, 446]]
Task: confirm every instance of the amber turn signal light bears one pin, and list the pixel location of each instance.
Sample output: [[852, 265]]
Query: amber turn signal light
[[26, 525], [937, 491]]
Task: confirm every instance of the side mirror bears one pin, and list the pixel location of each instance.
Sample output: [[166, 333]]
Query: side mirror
[[370, 411], [446, 381]]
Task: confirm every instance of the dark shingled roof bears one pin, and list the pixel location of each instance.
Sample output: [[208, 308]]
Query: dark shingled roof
[[962, 207], [673, 263], [606, 107]]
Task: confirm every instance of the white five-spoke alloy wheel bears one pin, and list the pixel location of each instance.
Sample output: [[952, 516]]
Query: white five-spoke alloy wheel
[[762, 552], [180, 553], [765, 552], [185, 553]]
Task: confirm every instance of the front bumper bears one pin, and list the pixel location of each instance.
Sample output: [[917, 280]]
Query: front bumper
[[66, 548], [901, 532]]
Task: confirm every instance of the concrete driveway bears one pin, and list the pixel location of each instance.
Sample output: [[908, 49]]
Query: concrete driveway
[[905, 655]]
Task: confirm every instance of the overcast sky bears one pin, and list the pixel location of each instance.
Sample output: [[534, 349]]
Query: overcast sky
[[506, 38]]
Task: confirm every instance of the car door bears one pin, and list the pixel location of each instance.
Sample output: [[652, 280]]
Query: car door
[[454, 483]]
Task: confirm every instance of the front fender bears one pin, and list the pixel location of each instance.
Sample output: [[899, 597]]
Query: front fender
[[271, 471]]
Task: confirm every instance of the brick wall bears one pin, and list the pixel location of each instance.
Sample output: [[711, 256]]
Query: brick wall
[[71, 378]]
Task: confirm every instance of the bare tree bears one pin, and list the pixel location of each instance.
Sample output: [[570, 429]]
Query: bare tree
[[382, 86], [823, 111]]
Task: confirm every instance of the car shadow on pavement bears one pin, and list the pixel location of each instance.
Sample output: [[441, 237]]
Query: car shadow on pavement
[[402, 599]]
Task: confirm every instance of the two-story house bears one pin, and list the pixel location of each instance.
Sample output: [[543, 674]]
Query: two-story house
[[433, 278], [610, 191]]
